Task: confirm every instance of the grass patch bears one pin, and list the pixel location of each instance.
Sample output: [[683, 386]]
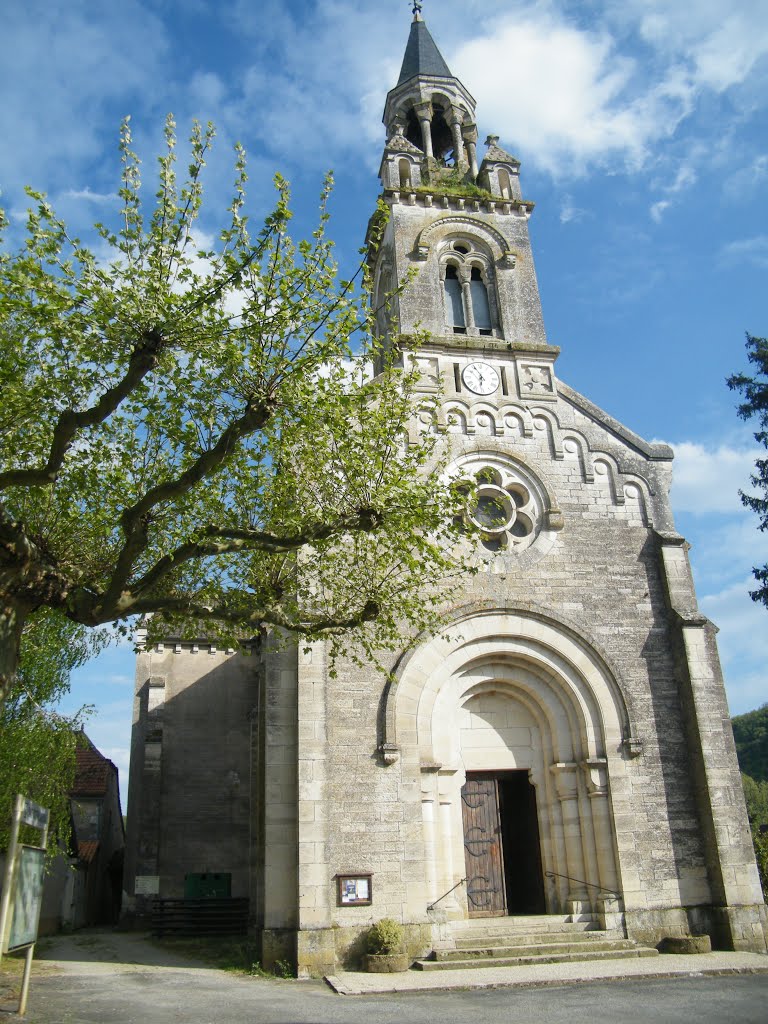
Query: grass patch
[[12, 965], [234, 954]]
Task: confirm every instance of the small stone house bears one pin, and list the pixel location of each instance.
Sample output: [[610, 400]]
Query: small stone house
[[84, 885]]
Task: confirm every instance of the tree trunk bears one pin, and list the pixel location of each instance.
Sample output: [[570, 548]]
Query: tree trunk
[[13, 615]]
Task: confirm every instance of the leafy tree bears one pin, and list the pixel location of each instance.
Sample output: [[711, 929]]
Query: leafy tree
[[37, 745], [754, 390], [750, 732], [756, 795], [189, 433]]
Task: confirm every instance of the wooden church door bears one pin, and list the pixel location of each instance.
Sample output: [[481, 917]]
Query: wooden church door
[[501, 845], [483, 853]]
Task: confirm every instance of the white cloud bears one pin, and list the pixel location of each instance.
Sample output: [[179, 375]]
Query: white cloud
[[747, 250], [746, 179], [742, 641], [720, 40], [87, 195], [577, 104], [659, 209], [58, 115], [707, 480], [569, 212]]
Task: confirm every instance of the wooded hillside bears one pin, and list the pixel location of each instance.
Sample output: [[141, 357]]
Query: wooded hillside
[[751, 734]]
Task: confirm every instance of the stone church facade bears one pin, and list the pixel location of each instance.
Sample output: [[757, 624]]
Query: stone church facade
[[563, 747]]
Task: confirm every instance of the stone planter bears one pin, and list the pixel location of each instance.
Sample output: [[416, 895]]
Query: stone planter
[[387, 963], [686, 944]]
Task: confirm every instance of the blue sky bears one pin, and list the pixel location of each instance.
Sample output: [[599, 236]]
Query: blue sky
[[643, 134]]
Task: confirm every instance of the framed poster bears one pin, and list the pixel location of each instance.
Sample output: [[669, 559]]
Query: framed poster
[[27, 897], [147, 885], [355, 890]]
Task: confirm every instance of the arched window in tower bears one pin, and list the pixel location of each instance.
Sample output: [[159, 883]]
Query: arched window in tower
[[481, 309], [405, 174], [505, 185], [467, 275], [454, 305]]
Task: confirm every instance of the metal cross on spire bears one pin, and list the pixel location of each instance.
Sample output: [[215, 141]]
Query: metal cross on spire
[[417, 10]]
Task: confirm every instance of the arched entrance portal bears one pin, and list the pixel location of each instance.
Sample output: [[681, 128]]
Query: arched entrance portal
[[518, 727]]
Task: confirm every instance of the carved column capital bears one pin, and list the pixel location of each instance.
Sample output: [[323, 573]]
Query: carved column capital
[[566, 781], [596, 774]]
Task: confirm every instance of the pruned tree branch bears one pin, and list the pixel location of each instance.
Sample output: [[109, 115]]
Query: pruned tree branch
[[143, 359]]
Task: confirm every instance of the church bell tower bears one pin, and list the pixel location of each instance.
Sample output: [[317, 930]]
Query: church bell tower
[[458, 234]]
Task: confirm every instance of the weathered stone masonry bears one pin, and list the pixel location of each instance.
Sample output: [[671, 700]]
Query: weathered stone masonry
[[574, 669]]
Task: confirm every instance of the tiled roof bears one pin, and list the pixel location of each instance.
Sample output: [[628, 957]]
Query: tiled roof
[[422, 56], [87, 850], [93, 770]]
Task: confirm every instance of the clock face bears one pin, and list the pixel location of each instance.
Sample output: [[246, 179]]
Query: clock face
[[480, 378]]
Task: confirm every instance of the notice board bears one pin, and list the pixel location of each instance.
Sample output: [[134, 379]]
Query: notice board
[[27, 897]]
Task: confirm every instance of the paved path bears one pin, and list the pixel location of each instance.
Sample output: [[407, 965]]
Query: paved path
[[540, 975], [121, 978]]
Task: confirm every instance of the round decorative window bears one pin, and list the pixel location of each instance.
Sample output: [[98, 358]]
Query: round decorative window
[[504, 508]]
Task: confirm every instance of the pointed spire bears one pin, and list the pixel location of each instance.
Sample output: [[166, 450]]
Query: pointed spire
[[422, 56]]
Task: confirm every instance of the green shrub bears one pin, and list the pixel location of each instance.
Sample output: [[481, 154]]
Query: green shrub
[[385, 937]]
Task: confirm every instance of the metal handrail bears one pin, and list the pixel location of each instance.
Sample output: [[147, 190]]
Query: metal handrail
[[431, 906], [600, 888]]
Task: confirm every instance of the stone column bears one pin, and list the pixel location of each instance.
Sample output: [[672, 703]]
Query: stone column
[[464, 275], [609, 902], [566, 783], [429, 813], [596, 775], [469, 132], [424, 114], [458, 140], [446, 832]]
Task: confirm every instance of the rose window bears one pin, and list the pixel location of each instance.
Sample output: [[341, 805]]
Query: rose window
[[502, 507]]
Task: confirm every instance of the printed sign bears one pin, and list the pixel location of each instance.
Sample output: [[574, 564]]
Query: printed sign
[[147, 885], [355, 890], [34, 814]]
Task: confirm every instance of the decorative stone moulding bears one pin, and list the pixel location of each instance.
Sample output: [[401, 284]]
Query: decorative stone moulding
[[520, 208], [632, 747], [389, 753]]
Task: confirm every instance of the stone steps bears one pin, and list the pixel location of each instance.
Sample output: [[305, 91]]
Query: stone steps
[[517, 941], [510, 938], [545, 948], [540, 958]]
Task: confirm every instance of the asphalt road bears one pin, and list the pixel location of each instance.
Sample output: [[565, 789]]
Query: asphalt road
[[86, 980]]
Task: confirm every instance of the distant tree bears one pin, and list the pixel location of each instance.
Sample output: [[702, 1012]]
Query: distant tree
[[754, 390], [37, 744], [750, 732], [190, 433], [756, 796]]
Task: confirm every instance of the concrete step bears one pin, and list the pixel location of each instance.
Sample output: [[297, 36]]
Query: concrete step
[[533, 949], [519, 961], [509, 938], [519, 926], [511, 921]]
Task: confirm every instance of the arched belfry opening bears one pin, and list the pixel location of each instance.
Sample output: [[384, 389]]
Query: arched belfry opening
[[443, 144], [413, 130]]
